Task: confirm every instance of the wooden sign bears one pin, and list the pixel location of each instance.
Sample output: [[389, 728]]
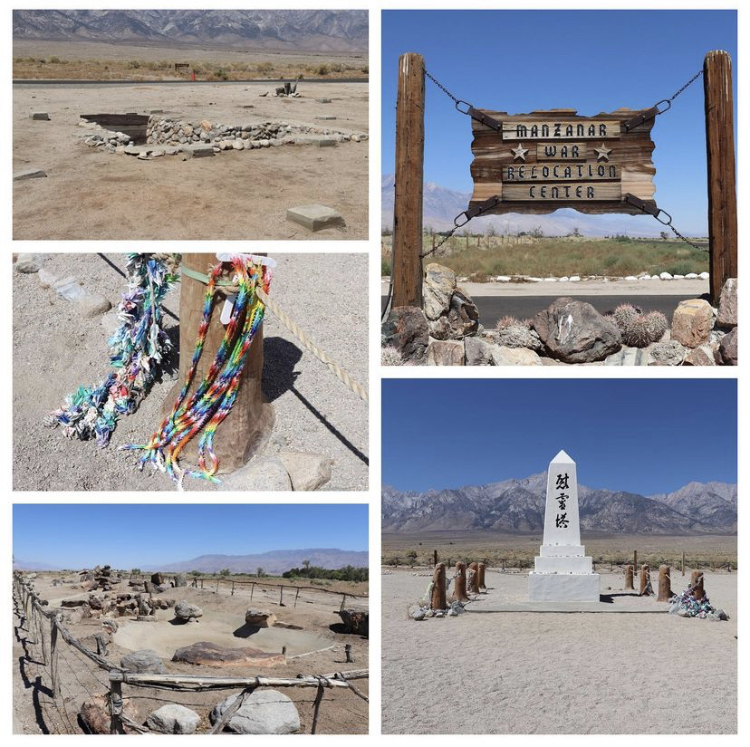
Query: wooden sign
[[546, 160]]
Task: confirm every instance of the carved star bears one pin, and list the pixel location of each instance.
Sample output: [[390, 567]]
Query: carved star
[[602, 154], [519, 152]]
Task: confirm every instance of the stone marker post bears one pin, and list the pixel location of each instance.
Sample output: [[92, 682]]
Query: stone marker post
[[645, 581], [482, 569], [562, 572], [473, 578], [696, 581]]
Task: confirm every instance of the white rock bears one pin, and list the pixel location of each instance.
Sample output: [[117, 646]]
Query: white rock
[[564, 279], [631, 278], [259, 474], [501, 279], [263, 712], [691, 276], [575, 278], [173, 719], [704, 276], [665, 276], [678, 277]]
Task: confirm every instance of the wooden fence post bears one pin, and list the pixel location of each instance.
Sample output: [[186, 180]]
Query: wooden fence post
[[629, 578], [406, 260], [53, 657], [665, 586], [722, 198], [281, 595], [682, 563], [296, 596], [232, 588], [459, 583], [437, 598], [250, 421], [115, 703], [434, 557], [696, 581]]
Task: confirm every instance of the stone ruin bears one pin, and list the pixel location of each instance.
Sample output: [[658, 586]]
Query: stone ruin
[[100, 578], [163, 136]]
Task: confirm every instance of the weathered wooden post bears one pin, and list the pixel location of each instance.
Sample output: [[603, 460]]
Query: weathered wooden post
[[682, 563], [665, 586], [722, 198], [406, 262], [434, 557], [481, 570], [696, 581], [251, 419], [115, 703], [437, 598], [645, 580], [473, 578], [53, 657], [459, 583], [232, 588], [629, 578], [281, 596], [635, 558]]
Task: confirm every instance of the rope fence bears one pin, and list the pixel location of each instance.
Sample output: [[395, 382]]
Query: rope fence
[[40, 630]]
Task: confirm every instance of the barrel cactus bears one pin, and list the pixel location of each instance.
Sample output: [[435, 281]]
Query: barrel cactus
[[639, 330]]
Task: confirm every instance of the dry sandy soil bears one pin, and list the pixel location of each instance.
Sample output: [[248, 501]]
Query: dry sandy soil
[[341, 710], [532, 673], [55, 351], [91, 194]]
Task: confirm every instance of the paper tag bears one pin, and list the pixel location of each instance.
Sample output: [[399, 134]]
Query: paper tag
[[226, 312]]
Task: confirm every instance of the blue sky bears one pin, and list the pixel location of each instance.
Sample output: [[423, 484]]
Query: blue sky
[[644, 436], [593, 61], [126, 536]]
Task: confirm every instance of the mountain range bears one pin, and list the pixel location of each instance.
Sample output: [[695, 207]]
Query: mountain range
[[517, 507], [274, 562], [310, 30], [442, 205]]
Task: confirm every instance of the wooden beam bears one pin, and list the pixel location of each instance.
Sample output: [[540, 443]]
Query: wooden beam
[[409, 177], [722, 197]]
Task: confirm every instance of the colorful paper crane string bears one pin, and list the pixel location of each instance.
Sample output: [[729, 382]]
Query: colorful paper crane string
[[204, 410], [137, 349]]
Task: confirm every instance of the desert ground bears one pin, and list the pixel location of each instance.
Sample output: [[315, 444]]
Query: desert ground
[[58, 350], [534, 673], [89, 193], [316, 648]]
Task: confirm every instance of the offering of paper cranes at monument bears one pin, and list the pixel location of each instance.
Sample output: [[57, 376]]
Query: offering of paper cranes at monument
[[228, 371], [244, 123], [255, 640]]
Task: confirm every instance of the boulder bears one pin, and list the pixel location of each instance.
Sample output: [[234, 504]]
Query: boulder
[[692, 322], [95, 717], [29, 263], [355, 621], [461, 320], [477, 352], [259, 618], [445, 353], [145, 660], [575, 332], [173, 719], [306, 471], [208, 654], [727, 312], [263, 473], [263, 712], [518, 336], [437, 290], [728, 348], [504, 356], [406, 330], [180, 580], [702, 356], [628, 356], [187, 612], [670, 353], [157, 578]]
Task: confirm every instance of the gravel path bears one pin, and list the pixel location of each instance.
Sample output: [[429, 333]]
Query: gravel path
[[527, 673], [55, 350]]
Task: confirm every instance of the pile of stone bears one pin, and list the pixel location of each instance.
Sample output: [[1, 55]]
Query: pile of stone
[[102, 579], [165, 137], [186, 612], [356, 621], [447, 332]]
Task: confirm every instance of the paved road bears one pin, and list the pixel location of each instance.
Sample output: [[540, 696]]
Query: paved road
[[492, 308], [30, 82]]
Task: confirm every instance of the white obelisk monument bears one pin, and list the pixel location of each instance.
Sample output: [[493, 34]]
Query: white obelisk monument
[[562, 572]]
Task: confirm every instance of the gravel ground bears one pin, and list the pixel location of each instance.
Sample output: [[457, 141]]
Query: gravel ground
[[55, 351], [528, 673], [91, 194]]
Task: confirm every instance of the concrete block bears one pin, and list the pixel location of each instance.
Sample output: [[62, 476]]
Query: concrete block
[[40, 116], [315, 217], [567, 587], [197, 151]]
